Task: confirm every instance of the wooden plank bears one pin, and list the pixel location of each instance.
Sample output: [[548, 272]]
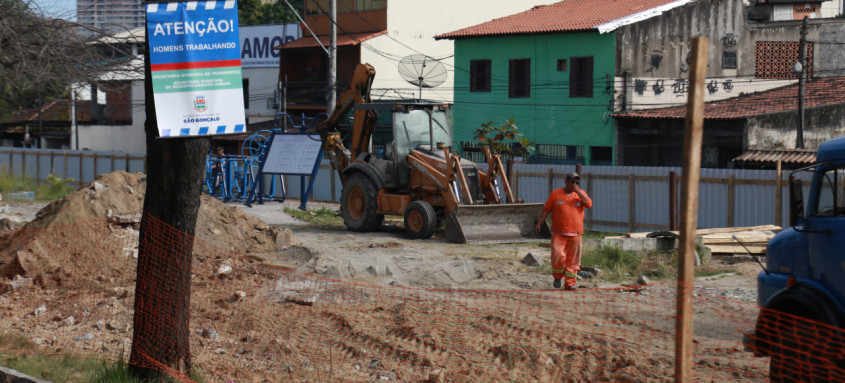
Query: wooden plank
[[735, 229], [737, 249], [742, 235], [718, 230], [745, 241]]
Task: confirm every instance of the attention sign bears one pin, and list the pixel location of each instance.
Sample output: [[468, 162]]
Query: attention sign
[[195, 64]]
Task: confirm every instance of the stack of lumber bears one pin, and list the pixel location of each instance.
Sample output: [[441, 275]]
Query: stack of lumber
[[721, 241]]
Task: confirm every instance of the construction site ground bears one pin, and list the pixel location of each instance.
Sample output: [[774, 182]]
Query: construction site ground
[[384, 258]]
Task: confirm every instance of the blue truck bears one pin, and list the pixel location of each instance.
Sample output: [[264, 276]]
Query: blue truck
[[801, 291]]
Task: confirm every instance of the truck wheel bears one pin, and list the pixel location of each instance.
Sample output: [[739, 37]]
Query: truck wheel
[[794, 356], [420, 220], [359, 204]]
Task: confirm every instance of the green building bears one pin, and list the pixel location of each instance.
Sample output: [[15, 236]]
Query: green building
[[552, 70]]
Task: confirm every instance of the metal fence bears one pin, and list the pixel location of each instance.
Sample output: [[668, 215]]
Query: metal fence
[[625, 199], [81, 165]]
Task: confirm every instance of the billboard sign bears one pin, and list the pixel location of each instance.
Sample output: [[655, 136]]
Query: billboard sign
[[195, 64], [257, 44]]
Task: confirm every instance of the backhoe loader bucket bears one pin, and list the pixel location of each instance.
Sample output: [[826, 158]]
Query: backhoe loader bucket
[[508, 223]]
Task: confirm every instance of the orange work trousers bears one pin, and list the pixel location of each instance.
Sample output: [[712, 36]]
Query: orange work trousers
[[566, 258]]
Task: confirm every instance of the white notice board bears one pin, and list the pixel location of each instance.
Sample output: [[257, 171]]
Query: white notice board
[[292, 153]]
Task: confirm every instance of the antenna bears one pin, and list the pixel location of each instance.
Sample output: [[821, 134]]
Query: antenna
[[735, 238], [422, 71]]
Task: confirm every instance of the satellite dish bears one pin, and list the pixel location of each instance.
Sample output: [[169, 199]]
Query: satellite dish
[[422, 71]]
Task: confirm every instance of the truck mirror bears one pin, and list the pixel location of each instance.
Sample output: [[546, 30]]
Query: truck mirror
[[796, 201]]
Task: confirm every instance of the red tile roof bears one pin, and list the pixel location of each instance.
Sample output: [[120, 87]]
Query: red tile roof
[[792, 156], [818, 92], [349, 39], [56, 110], [565, 16]]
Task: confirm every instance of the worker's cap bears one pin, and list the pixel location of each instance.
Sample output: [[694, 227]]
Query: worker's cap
[[573, 175], [219, 149]]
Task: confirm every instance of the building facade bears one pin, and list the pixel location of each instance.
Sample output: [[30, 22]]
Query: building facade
[[111, 16], [381, 33]]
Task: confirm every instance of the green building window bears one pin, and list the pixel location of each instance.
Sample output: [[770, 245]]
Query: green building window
[[581, 77], [370, 5], [601, 155], [561, 65], [519, 78], [479, 76]]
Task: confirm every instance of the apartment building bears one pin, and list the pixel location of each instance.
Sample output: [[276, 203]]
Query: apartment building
[[113, 16]]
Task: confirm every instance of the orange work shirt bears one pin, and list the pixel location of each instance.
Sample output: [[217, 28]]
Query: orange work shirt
[[567, 211]]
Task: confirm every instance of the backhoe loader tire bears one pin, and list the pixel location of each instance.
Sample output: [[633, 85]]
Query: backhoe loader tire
[[420, 220], [359, 204]]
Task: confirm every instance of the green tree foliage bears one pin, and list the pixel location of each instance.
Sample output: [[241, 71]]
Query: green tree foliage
[[255, 12], [501, 138]]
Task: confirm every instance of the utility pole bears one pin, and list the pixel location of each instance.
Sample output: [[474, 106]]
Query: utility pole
[[801, 68], [332, 56], [40, 122], [74, 128]]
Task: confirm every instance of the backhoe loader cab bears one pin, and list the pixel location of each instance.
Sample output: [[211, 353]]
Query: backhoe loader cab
[[409, 127]]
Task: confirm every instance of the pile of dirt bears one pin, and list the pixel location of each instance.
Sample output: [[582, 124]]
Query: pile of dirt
[[105, 214]]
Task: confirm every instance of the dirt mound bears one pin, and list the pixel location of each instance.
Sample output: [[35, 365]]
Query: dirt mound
[[110, 194], [70, 240]]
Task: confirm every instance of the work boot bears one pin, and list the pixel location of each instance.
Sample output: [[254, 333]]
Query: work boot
[[556, 283], [569, 288]]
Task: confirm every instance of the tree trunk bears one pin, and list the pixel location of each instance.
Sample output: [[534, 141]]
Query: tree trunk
[[175, 168]]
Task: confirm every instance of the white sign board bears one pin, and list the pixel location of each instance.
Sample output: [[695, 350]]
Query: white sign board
[[195, 67], [292, 153], [257, 43]]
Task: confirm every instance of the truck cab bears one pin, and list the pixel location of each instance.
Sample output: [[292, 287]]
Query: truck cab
[[802, 289]]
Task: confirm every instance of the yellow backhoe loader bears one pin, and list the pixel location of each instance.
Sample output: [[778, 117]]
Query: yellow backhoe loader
[[418, 176]]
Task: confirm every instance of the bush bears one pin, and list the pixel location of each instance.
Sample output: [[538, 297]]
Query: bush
[[52, 189], [622, 265]]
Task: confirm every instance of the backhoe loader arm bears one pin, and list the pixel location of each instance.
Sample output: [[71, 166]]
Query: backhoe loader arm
[[357, 92]]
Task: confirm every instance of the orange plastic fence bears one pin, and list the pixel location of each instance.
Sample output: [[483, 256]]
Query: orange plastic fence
[[71, 290]]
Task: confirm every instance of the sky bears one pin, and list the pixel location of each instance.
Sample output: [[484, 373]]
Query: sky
[[62, 9]]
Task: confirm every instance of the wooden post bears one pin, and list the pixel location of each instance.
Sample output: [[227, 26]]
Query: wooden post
[[689, 209], [551, 180], [778, 195], [589, 189], [81, 158], [38, 167], [578, 169], [509, 172], [673, 201], [331, 178], [96, 173], [731, 200], [632, 205], [515, 185]]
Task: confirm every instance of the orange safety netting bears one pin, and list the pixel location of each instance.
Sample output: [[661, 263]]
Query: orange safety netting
[[71, 291]]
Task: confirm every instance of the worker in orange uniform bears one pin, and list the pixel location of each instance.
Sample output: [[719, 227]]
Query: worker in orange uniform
[[566, 205]]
